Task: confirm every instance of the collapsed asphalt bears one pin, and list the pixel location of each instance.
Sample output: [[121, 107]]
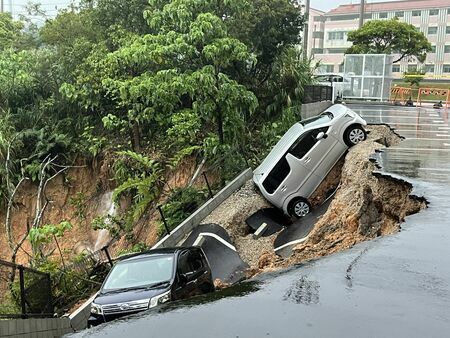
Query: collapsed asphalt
[[396, 286]]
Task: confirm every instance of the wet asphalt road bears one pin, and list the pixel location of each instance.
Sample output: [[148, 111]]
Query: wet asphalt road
[[396, 286]]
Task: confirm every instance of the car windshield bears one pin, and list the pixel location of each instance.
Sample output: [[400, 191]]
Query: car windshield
[[140, 272], [317, 120]]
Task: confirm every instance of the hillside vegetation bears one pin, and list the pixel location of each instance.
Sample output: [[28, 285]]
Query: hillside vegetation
[[136, 88]]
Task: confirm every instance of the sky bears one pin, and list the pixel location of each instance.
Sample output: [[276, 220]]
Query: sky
[[51, 6]]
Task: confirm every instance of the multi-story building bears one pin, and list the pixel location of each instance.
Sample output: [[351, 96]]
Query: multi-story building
[[327, 41]]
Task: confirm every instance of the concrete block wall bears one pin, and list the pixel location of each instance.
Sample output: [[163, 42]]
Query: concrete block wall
[[192, 221], [35, 327], [314, 109]]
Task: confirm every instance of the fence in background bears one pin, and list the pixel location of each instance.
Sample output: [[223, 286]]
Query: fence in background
[[29, 295], [317, 93]]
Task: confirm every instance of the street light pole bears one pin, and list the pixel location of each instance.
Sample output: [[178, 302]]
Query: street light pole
[[306, 30], [361, 13]]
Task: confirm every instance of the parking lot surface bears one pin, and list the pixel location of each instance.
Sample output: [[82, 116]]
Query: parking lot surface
[[396, 286]]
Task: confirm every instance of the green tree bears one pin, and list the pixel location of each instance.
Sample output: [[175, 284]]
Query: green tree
[[389, 37], [10, 31]]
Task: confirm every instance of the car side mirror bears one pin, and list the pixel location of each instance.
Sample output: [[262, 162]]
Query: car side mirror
[[321, 135]]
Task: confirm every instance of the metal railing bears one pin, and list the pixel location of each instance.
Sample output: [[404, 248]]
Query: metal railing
[[25, 292]]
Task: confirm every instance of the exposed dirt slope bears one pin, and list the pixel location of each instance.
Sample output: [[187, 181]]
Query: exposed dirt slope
[[365, 205]]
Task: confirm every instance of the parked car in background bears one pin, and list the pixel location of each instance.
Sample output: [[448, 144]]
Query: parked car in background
[[341, 85], [304, 156], [146, 280]]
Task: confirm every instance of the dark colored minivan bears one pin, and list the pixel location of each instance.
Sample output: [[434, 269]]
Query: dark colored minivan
[[145, 280]]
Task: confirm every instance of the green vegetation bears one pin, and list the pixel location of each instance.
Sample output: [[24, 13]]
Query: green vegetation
[[389, 37], [146, 83]]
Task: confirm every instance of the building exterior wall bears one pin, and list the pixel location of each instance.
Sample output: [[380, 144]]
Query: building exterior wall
[[334, 26]]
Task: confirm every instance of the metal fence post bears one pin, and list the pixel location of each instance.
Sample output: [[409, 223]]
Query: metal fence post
[[105, 249], [22, 292], [164, 220], [211, 195]]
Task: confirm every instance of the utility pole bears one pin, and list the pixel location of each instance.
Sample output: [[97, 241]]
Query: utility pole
[[1, 6], [306, 30], [361, 13]]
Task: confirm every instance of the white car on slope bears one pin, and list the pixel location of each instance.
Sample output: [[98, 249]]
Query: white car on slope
[[305, 155]]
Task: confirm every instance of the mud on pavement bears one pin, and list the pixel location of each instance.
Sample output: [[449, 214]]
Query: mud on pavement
[[366, 205]]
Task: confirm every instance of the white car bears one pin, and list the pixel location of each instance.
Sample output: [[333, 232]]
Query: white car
[[305, 155]]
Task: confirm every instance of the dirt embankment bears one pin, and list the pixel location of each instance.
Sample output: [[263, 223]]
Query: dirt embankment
[[79, 196], [365, 206]]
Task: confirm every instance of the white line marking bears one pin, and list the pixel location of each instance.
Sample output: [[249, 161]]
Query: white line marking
[[220, 239], [298, 241], [420, 131], [393, 123], [447, 144], [435, 169], [445, 128], [440, 121], [421, 149], [441, 135]]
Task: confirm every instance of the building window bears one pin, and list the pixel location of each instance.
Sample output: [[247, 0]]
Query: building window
[[429, 68], [446, 68], [329, 68], [432, 30], [433, 49], [415, 13], [336, 50], [395, 69], [344, 17], [447, 30], [317, 51], [412, 68], [447, 49], [335, 35], [434, 11], [341, 68], [399, 14], [383, 15]]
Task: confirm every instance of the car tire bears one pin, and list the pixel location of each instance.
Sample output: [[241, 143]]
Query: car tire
[[299, 207], [354, 135]]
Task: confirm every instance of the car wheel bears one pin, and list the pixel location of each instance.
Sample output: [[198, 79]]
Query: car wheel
[[354, 135], [207, 288], [299, 208]]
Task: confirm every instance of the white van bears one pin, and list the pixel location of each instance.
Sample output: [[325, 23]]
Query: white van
[[305, 155]]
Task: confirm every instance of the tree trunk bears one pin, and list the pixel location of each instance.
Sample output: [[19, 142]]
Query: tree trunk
[[136, 137], [220, 133]]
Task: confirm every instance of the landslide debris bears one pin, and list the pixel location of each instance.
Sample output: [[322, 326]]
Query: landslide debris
[[366, 205]]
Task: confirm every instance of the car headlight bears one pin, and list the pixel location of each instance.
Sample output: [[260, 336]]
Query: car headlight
[[96, 309], [160, 299]]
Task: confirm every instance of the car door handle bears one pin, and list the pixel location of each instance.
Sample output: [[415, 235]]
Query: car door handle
[[307, 160], [283, 188]]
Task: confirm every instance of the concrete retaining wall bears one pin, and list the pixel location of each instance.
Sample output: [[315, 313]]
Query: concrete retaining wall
[[35, 327], [314, 109], [79, 318], [192, 221]]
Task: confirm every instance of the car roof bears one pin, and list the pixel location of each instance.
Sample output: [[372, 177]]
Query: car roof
[[154, 252]]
